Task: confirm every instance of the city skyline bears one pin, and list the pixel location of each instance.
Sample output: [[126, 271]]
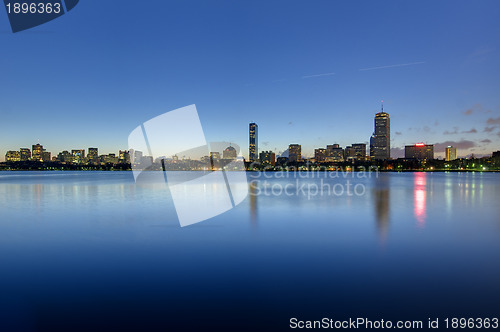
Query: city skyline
[[310, 78], [381, 128]]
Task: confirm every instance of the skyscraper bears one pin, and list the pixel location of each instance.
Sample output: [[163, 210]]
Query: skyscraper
[[294, 153], [451, 153], [37, 154], [380, 142], [253, 149]]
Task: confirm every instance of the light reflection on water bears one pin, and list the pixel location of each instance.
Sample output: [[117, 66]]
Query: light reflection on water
[[411, 239]]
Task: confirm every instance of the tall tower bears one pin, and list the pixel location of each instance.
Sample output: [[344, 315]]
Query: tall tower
[[451, 153], [380, 142], [253, 149]]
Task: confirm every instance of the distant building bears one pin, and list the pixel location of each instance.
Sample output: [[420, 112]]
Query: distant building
[[253, 148], [65, 157], [13, 156], [109, 159], [229, 153], [93, 155], [281, 161], [359, 151], [136, 157], [37, 152], [496, 157], [267, 158], [419, 151], [46, 156], [78, 156], [349, 153], [334, 153], [25, 154], [123, 157], [451, 153], [215, 156], [294, 153], [380, 142], [320, 155]]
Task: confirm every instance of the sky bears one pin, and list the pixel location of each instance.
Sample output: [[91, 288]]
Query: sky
[[308, 72]]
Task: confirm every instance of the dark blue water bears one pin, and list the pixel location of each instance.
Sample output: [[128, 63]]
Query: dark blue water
[[91, 251]]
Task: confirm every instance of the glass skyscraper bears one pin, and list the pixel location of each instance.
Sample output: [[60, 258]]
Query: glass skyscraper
[[380, 142], [253, 149]]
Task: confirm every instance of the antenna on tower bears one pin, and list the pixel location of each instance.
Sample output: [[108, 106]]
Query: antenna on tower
[[382, 105]]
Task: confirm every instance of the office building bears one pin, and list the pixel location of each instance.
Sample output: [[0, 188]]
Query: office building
[[13, 156], [267, 158], [215, 156], [349, 153], [253, 149], [65, 157], [46, 156], [37, 152], [419, 151], [294, 153], [380, 142], [319, 155], [451, 153], [123, 157], [359, 151], [136, 157], [93, 155], [25, 154], [111, 159], [78, 156], [334, 153]]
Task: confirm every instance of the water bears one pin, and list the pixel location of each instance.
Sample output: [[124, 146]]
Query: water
[[92, 251]]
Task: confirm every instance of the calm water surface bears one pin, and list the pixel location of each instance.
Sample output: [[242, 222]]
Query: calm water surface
[[93, 251]]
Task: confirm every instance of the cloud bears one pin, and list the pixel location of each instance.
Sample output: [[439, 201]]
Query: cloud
[[397, 153], [489, 129], [455, 131], [493, 121], [318, 75], [392, 66], [486, 141], [472, 131], [265, 143], [462, 145], [399, 133], [476, 108]]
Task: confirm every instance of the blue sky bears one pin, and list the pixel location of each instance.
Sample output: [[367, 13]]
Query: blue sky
[[308, 72]]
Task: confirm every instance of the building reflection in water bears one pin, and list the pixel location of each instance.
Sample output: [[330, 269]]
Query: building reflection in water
[[419, 197], [381, 202], [252, 191]]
